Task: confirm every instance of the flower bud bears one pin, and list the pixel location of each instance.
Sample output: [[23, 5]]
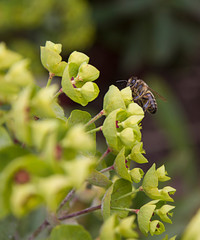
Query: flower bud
[[136, 174], [156, 227], [163, 213], [162, 174], [78, 58], [127, 137], [136, 153], [89, 91]]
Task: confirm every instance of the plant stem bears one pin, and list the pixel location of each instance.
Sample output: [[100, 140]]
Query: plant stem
[[126, 209], [39, 230], [71, 215], [67, 198], [95, 130], [51, 75], [84, 211], [128, 194], [107, 169], [104, 155], [46, 223], [99, 115], [58, 93]]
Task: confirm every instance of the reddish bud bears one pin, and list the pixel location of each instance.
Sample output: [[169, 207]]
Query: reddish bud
[[58, 152], [21, 176], [117, 126]]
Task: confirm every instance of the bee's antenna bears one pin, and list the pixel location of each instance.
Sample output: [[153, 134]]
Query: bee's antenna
[[122, 81]]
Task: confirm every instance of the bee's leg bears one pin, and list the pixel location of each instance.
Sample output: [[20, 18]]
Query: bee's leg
[[146, 105], [139, 96]]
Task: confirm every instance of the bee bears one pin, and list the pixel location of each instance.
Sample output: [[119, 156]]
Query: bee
[[142, 94]]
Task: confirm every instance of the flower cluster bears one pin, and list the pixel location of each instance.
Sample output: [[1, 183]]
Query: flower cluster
[[47, 155]]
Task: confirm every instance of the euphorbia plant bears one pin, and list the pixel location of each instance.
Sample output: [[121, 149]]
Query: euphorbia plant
[[48, 158]]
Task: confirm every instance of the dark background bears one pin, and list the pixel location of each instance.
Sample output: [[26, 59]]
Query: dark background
[[156, 40]]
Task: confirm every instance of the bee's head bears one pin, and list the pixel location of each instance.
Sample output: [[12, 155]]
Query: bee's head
[[132, 80]]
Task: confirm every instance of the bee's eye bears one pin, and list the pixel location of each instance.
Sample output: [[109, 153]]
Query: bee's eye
[[133, 81]]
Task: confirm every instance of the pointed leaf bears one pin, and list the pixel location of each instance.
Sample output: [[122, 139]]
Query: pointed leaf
[[120, 166], [99, 179], [144, 217], [119, 199]]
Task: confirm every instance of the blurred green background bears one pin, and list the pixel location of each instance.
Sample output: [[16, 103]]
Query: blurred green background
[[156, 40]]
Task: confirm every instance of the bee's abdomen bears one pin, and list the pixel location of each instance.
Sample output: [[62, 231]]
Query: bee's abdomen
[[152, 107]]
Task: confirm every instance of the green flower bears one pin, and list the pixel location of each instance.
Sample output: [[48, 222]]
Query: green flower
[[51, 59]]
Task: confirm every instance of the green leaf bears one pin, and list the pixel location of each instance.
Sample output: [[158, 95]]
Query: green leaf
[[136, 110], [5, 139], [105, 206], [77, 117], [98, 179], [72, 232], [144, 216], [150, 179], [51, 59], [110, 131], [59, 112], [120, 166], [113, 100], [8, 227], [108, 229], [121, 187]]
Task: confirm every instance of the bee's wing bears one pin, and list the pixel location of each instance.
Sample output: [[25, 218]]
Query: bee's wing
[[157, 94]]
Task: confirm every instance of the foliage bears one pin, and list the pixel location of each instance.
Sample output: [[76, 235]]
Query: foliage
[[47, 158], [30, 23]]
